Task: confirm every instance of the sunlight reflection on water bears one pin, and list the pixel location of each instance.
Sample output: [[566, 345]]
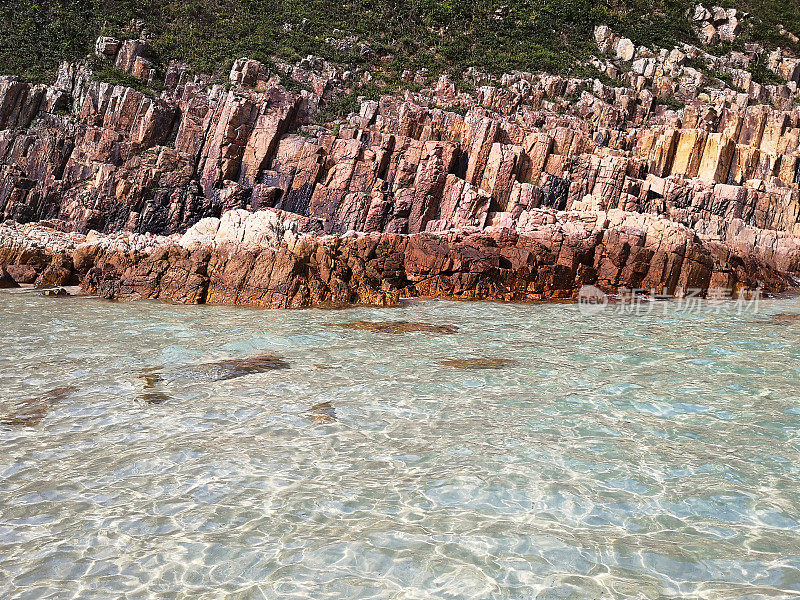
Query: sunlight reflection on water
[[534, 452]]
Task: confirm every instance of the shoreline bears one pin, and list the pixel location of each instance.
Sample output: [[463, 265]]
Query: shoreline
[[262, 259]]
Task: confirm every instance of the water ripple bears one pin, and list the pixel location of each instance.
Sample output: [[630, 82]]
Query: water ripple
[[602, 457]]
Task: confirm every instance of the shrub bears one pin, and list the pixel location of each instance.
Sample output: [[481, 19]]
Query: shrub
[[440, 35]]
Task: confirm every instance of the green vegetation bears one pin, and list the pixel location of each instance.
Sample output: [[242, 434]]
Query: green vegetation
[[63, 106], [761, 74], [671, 103], [338, 107], [105, 71], [441, 35]]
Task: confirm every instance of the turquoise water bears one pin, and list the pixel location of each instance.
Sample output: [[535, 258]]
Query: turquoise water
[[616, 456]]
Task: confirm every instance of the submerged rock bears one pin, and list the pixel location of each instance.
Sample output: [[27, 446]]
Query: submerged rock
[[321, 413], [214, 371], [786, 318], [398, 327], [154, 397], [150, 377], [32, 412], [477, 363], [222, 370], [239, 367]]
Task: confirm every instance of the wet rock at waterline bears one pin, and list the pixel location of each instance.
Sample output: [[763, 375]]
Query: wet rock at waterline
[[321, 413], [55, 293], [31, 412], [262, 259], [477, 363], [398, 327]]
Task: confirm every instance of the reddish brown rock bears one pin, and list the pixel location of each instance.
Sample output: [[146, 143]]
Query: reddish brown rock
[[526, 188], [258, 259]]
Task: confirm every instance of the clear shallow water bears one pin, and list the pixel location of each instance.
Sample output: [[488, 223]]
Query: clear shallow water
[[618, 457]]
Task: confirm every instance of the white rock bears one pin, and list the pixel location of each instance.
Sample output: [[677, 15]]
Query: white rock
[[201, 234], [701, 13], [625, 49], [601, 33], [231, 226]]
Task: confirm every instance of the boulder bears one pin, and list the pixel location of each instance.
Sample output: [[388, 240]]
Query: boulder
[[22, 274], [625, 49]]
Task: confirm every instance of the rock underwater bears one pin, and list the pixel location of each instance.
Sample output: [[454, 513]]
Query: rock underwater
[[31, 412], [477, 363], [397, 327], [322, 413], [221, 370]]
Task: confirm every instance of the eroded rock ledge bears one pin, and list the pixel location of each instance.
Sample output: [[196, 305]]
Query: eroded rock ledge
[[520, 188], [265, 259]]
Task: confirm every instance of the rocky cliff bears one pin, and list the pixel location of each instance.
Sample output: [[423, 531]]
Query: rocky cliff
[[518, 188]]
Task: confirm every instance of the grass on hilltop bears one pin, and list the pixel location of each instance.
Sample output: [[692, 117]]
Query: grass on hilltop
[[442, 36]]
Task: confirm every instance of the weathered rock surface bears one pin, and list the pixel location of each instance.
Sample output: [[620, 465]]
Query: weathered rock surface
[[247, 259], [525, 189]]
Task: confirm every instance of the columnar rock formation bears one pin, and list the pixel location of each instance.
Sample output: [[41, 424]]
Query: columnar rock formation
[[524, 189]]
